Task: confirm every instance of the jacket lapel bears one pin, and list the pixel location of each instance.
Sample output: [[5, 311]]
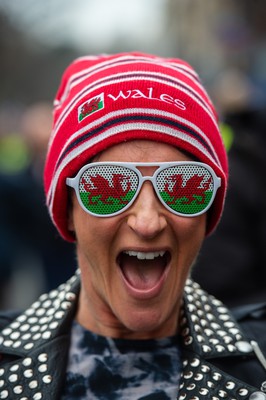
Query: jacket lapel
[[210, 332], [37, 343]]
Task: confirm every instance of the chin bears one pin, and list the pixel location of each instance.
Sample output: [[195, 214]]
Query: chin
[[149, 324]]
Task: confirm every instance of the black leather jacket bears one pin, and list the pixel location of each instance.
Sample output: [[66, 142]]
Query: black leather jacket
[[218, 355]]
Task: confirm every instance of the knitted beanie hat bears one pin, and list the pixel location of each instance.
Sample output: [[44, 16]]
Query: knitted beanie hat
[[108, 99]]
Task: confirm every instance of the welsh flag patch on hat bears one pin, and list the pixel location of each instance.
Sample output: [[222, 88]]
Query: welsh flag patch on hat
[[90, 106]]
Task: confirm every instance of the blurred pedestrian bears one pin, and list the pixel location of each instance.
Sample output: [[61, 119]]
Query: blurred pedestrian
[[237, 249]]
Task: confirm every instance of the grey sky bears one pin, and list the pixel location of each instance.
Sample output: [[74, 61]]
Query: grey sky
[[90, 23]]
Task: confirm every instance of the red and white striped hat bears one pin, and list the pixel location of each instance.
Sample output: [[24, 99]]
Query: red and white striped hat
[[108, 99]]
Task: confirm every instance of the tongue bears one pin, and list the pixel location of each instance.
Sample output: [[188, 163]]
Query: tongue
[[142, 274]]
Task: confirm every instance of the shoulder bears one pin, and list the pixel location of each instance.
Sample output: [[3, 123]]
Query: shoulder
[[6, 317], [252, 319], [250, 312]]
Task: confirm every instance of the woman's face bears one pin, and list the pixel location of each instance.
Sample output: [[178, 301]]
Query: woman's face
[[134, 265]]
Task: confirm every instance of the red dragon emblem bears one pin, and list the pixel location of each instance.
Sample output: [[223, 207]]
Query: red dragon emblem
[[89, 107], [192, 190], [101, 187]]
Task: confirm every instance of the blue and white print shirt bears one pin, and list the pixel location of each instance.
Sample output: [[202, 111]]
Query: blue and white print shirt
[[102, 368]]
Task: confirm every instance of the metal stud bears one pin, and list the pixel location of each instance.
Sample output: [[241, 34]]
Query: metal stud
[[43, 320], [188, 340], [215, 326], [222, 394], [26, 336], [18, 389], [43, 328], [43, 357], [217, 376], [24, 327], [29, 346], [40, 312], [53, 294], [28, 373], [35, 328], [15, 335], [13, 378], [206, 348], [205, 368], [30, 311], [263, 386], [242, 392], [231, 348], [50, 312], [37, 396], [46, 335], [15, 325], [244, 347], [42, 368], [230, 385], [198, 377], [195, 362], [70, 296], [33, 384], [257, 396], [4, 394], [191, 386], [36, 336], [16, 344], [203, 391], [59, 314], [214, 341], [220, 348], [200, 338], [14, 368], [6, 331], [47, 379], [188, 375], [27, 361], [53, 325]]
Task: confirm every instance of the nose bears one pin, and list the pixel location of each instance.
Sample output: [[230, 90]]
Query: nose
[[147, 217]]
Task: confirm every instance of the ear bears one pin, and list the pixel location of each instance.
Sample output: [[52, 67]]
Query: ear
[[70, 222], [70, 219]]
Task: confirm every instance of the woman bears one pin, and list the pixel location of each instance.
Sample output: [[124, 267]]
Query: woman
[[136, 175]]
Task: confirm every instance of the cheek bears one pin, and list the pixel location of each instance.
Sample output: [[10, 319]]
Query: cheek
[[191, 233], [196, 225], [92, 233]]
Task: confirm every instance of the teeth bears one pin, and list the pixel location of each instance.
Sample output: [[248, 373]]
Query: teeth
[[145, 256]]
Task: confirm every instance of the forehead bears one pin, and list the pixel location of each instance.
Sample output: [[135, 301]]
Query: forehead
[[142, 151]]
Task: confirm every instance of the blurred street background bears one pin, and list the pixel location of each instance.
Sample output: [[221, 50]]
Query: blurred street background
[[225, 41]]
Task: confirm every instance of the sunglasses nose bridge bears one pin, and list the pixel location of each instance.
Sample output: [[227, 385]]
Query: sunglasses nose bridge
[[152, 180], [147, 178]]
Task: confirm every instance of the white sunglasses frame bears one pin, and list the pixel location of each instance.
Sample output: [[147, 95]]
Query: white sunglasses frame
[[74, 183]]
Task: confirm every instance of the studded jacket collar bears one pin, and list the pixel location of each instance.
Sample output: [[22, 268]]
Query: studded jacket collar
[[34, 348]]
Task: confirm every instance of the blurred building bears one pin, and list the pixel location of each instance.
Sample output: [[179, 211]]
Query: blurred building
[[215, 35]]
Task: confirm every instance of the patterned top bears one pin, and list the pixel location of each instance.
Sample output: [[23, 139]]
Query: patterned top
[[102, 368]]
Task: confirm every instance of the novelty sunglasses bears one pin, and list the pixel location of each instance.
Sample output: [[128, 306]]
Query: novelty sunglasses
[[185, 188]]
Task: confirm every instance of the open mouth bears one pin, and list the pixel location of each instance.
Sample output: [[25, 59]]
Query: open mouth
[[143, 271]]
